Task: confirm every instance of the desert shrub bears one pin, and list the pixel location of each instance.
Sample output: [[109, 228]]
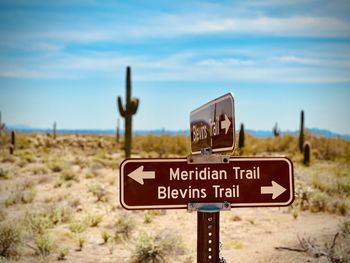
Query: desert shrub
[[93, 220], [318, 202], [7, 158], [4, 174], [39, 170], [337, 206], [44, 244], [124, 226], [60, 215], [68, 175], [56, 166], [10, 239], [36, 223], [345, 227], [3, 214], [105, 235], [99, 192], [157, 248], [28, 195], [13, 199], [77, 226], [81, 243], [62, 253], [148, 218]]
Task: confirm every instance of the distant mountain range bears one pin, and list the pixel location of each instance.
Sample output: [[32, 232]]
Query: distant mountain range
[[257, 133]]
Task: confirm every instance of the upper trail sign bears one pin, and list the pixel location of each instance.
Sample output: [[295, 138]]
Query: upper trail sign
[[213, 125], [174, 183]]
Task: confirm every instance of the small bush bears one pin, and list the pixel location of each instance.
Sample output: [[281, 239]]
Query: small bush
[[10, 240], [157, 248], [124, 226], [93, 220], [56, 166], [105, 235], [28, 196], [44, 244], [37, 224], [68, 175], [318, 202], [77, 226], [62, 253], [60, 215], [81, 243], [4, 174], [99, 192]]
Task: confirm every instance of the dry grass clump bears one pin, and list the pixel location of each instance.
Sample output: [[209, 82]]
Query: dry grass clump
[[93, 220], [21, 196], [157, 248], [10, 239], [4, 173], [124, 227], [38, 237], [99, 192], [77, 226], [69, 175], [61, 214]]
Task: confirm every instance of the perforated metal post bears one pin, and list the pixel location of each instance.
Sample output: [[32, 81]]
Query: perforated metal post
[[208, 239], [208, 215]]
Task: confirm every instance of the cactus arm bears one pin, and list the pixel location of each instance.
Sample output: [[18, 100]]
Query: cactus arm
[[133, 106], [120, 107]]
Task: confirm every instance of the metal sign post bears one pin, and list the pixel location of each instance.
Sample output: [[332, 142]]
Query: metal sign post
[[208, 216]]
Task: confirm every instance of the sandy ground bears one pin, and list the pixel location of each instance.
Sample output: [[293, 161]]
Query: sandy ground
[[247, 234]]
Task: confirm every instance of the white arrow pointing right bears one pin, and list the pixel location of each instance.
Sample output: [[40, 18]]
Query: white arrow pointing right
[[276, 190], [225, 124], [139, 175]]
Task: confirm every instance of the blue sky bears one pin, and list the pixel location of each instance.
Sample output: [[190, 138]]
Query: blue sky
[[65, 61]]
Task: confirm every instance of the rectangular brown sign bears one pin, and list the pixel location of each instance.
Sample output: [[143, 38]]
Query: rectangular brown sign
[[213, 125], [174, 183]]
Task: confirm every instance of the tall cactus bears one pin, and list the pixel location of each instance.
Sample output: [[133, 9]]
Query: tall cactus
[[276, 131], [13, 142], [126, 112], [241, 137], [54, 130], [301, 132], [2, 125], [307, 153], [117, 132]]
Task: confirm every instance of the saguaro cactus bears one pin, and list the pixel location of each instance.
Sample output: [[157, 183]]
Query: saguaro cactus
[[117, 133], [301, 132], [241, 137], [2, 125], [126, 112], [307, 153], [276, 131], [54, 130], [13, 142]]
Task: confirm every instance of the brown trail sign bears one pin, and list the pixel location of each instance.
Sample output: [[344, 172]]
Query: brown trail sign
[[174, 183], [207, 183], [213, 125]]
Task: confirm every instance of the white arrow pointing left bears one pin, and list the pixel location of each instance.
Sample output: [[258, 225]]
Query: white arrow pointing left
[[139, 175], [276, 190], [225, 124]]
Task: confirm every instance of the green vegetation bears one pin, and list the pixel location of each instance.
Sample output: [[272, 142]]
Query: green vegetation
[[124, 226], [10, 239], [157, 248]]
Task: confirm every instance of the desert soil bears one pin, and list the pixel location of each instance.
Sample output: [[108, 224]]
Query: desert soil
[[247, 234]]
